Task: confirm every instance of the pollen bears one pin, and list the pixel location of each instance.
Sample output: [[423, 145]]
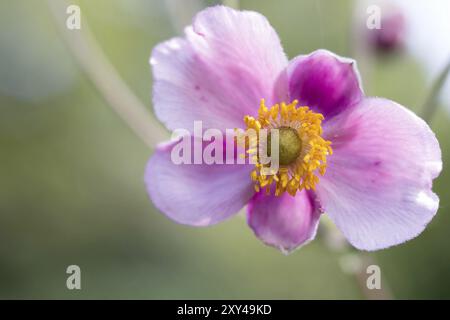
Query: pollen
[[302, 150]]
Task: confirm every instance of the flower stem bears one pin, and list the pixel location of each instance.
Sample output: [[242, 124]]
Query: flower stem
[[431, 103], [92, 60], [353, 262]]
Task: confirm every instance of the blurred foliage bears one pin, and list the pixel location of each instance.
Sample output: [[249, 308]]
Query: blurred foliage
[[71, 188]]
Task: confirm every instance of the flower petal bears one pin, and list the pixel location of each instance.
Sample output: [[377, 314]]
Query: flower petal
[[324, 82], [377, 188], [196, 194], [228, 61], [284, 222]]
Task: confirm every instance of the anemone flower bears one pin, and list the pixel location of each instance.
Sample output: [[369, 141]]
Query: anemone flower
[[366, 162]]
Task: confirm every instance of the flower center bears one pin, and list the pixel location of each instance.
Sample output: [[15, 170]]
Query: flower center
[[290, 145], [302, 150]]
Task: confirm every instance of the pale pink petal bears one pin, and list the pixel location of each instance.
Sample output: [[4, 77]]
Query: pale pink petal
[[324, 82], [377, 188], [228, 61], [196, 194], [284, 222]]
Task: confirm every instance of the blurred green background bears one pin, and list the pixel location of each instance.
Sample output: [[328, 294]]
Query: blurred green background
[[71, 171]]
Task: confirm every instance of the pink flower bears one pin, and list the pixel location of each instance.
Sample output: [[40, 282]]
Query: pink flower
[[391, 36], [378, 179]]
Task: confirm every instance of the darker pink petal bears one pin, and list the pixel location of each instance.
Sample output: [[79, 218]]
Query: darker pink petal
[[284, 222], [324, 82]]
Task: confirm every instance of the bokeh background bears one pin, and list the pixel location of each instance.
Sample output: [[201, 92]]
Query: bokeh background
[[71, 170]]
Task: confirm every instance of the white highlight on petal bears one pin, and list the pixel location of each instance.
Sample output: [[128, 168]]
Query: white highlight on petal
[[426, 201], [174, 45], [434, 167]]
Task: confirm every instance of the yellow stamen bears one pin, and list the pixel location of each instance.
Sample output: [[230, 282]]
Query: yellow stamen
[[298, 172]]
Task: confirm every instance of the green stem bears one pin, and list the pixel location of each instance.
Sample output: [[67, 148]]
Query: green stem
[[431, 103], [100, 71], [353, 262]]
